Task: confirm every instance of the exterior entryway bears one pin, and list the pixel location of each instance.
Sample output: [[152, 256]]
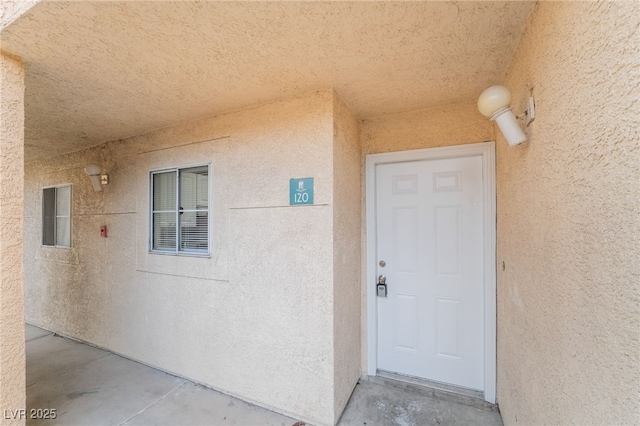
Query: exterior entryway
[[430, 264]]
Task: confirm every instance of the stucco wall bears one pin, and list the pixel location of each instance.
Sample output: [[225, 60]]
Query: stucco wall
[[346, 252], [426, 128], [568, 222], [256, 320], [10, 10], [12, 354]]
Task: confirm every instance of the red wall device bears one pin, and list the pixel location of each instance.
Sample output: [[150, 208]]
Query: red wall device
[[103, 231]]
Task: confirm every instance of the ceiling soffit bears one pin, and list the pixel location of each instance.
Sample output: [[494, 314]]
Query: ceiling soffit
[[99, 71]]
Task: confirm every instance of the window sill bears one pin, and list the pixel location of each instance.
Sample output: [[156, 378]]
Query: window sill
[[181, 254]]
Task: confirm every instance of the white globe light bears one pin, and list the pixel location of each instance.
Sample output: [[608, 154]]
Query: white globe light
[[92, 169], [493, 99]]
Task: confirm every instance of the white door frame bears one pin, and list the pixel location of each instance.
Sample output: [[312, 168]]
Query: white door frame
[[487, 151]]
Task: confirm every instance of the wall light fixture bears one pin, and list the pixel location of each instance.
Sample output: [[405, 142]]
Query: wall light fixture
[[97, 180], [495, 103]]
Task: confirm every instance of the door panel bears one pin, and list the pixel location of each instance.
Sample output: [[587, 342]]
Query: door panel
[[429, 220]]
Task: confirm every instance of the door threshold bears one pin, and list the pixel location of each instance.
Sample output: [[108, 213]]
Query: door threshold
[[432, 389], [432, 384]]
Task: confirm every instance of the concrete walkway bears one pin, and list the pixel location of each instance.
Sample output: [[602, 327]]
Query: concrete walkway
[[89, 386]]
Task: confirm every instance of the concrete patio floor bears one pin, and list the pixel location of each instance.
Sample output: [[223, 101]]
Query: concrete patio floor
[[90, 386]]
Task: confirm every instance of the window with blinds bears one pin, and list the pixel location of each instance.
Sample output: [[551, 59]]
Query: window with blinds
[[56, 216], [180, 210]]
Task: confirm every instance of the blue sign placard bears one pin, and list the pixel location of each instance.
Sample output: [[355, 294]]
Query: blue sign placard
[[300, 191]]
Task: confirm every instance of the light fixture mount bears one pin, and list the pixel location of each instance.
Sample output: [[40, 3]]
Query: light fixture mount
[[97, 180], [495, 103]]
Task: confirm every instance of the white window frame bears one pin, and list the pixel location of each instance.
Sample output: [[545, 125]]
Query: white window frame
[[54, 245], [177, 251]]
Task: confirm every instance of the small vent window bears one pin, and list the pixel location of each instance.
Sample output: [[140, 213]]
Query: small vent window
[[56, 216]]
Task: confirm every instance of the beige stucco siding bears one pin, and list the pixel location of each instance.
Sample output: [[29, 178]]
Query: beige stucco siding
[[426, 128], [346, 252], [254, 320], [12, 346], [568, 217]]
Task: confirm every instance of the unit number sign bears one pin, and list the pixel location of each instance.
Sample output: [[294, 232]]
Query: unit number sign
[[301, 191]]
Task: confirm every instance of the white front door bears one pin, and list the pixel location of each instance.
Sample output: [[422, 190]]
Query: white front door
[[429, 225]]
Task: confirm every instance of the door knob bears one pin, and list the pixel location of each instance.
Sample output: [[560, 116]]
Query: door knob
[[382, 279]]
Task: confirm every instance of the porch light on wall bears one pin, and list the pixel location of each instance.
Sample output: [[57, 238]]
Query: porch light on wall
[[97, 180], [495, 103]]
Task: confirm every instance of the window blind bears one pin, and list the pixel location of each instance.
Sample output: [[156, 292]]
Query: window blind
[[63, 216], [164, 211], [194, 208]]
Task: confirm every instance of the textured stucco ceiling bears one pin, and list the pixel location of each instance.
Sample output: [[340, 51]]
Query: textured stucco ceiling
[[99, 71]]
